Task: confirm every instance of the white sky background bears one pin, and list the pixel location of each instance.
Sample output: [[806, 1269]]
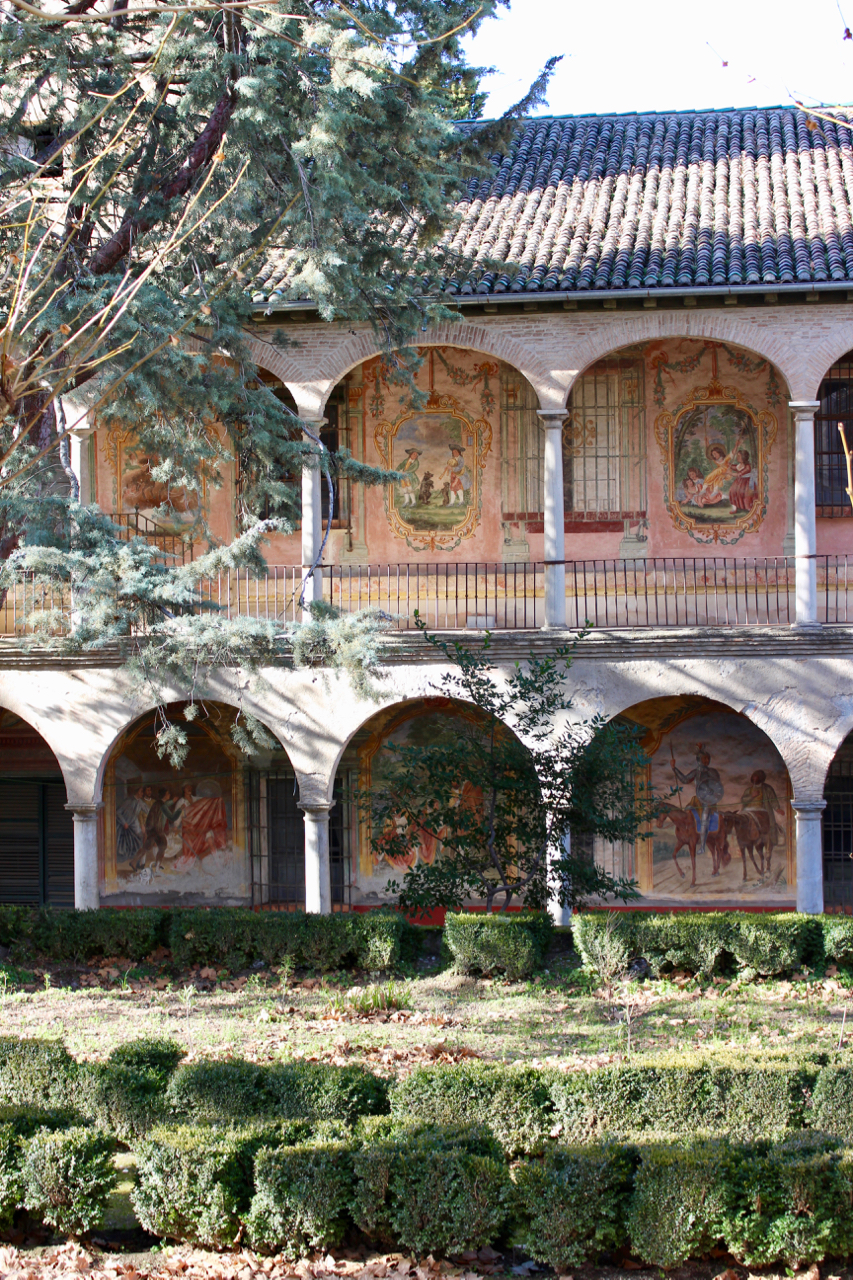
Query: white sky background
[[623, 55]]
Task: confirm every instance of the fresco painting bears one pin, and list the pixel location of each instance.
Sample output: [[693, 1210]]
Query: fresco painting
[[429, 723], [136, 491], [715, 447], [726, 834], [172, 833]]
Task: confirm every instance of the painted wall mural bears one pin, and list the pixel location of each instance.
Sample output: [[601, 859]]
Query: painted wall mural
[[727, 833], [715, 447], [176, 835], [428, 722], [136, 491], [440, 448]]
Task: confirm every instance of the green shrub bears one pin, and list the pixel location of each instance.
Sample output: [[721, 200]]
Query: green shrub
[[234, 938], [515, 1103], [67, 1177], [573, 1203], [677, 1208], [148, 1054], [195, 1182], [229, 1092], [37, 1072], [16, 1125], [679, 1095], [485, 942], [316, 1091], [768, 944], [122, 1100], [302, 1194], [788, 1202], [81, 935], [832, 1102], [838, 939], [234, 1092], [432, 1190], [756, 944]]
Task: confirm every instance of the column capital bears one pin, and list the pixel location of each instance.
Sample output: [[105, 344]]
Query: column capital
[[314, 808], [86, 812], [552, 417], [808, 808], [804, 408]]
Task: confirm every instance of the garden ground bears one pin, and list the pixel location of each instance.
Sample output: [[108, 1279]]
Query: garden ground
[[560, 1017]]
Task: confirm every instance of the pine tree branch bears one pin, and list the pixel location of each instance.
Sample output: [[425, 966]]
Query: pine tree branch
[[109, 254]]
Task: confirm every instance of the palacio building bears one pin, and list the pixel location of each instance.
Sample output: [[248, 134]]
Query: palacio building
[[634, 424]]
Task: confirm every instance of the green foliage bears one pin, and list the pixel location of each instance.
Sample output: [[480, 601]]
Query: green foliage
[[832, 1102], [17, 1124], [234, 1092], [500, 800], [38, 1072], [124, 1100], [677, 1207], [67, 1177], [432, 1190], [195, 1182], [148, 1054], [838, 939], [186, 157], [514, 1103], [514, 944], [302, 1197], [789, 1202], [233, 938], [573, 1203], [751, 943]]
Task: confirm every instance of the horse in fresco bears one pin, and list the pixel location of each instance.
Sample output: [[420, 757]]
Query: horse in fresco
[[687, 835], [752, 832]]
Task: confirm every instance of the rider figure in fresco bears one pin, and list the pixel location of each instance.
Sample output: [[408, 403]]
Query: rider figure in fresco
[[709, 792]]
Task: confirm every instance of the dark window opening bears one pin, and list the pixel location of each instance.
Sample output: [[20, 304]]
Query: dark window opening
[[836, 405], [838, 832], [36, 843], [277, 840]]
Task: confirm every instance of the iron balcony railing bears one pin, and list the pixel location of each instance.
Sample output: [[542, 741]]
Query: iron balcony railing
[[664, 591], [133, 524]]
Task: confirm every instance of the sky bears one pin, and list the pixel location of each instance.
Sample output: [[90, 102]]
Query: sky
[[622, 55]]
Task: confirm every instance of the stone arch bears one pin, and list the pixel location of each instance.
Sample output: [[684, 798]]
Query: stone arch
[[50, 730], [822, 355], [626, 330], [312, 390]]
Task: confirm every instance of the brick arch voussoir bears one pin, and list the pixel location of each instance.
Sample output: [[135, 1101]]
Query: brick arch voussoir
[[469, 337], [630, 329], [823, 355]]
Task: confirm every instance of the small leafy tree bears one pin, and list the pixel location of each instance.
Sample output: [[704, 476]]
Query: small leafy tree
[[500, 793]]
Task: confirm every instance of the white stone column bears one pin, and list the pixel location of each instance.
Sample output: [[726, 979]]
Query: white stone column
[[809, 855], [318, 877], [555, 520], [805, 528], [86, 897], [561, 915], [312, 524]]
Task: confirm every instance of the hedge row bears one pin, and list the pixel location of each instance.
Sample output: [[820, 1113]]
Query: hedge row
[[451, 1189], [144, 1084], [749, 943], [231, 938]]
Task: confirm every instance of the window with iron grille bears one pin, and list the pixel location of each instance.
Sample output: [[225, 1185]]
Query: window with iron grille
[[838, 830], [276, 829], [836, 405], [604, 459]]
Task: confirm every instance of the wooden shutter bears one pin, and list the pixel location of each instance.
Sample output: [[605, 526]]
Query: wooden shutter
[[58, 846], [20, 842]]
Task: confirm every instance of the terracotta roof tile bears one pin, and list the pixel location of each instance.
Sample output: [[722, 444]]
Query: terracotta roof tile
[[753, 196]]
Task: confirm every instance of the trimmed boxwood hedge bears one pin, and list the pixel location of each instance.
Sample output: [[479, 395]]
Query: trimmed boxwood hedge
[[752, 944], [514, 944], [231, 938]]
